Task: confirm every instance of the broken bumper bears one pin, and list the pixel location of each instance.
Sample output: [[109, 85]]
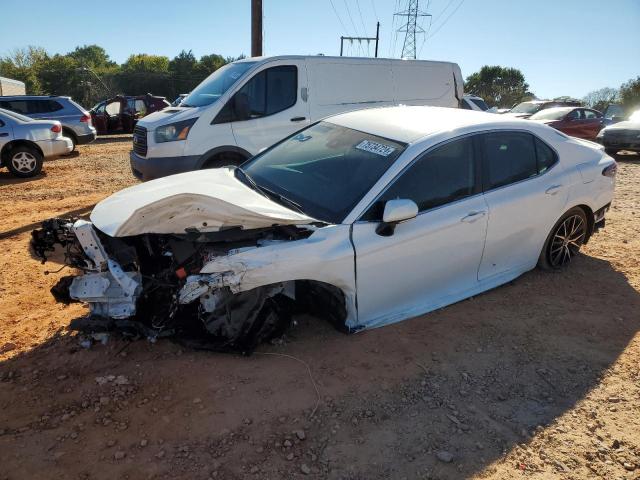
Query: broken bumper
[[152, 285]]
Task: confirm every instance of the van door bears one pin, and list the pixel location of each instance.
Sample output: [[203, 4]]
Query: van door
[[270, 106]]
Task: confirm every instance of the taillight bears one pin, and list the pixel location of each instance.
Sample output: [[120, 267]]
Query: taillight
[[85, 118], [610, 170], [56, 128]]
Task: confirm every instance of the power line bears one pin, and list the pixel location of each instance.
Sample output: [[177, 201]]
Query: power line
[[411, 28], [351, 18], [344, 29], [364, 29], [447, 19], [373, 4]]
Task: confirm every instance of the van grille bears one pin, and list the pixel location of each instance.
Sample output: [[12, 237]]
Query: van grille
[[140, 140]]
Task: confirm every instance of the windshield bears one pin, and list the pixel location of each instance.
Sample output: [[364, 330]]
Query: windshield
[[480, 103], [15, 115], [325, 169], [214, 86], [551, 114], [527, 107]]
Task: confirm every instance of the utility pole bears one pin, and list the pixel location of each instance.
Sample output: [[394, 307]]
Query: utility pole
[[256, 28], [411, 28], [360, 39]]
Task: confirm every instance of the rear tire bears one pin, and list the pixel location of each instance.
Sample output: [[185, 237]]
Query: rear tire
[[24, 161], [223, 160], [564, 242]]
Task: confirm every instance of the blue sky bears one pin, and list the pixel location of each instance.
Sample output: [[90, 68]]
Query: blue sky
[[563, 47]]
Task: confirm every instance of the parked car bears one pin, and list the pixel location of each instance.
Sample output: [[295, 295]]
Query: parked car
[[25, 143], [614, 113], [526, 109], [624, 135], [473, 102], [424, 206], [75, 120], [121, 113], [251, 104], [577, 122], [179, 99]]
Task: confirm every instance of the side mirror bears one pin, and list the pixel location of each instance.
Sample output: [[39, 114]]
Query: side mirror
[[396, 211]]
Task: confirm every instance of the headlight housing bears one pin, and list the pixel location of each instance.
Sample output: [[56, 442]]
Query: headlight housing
[[174, 131]]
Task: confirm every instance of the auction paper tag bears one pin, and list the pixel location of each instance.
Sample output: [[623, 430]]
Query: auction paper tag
[[374, 147]]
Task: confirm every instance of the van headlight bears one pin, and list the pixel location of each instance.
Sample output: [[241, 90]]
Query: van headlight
[[174, 131]]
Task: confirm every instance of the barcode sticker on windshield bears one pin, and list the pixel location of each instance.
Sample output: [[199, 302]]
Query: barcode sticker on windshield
[[374, 147]]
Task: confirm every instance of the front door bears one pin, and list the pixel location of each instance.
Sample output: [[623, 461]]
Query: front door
[[100, 119], [526, 192], [432, 259], [271, 106]]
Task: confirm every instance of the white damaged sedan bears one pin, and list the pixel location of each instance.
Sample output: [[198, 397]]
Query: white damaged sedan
[[366, 218]]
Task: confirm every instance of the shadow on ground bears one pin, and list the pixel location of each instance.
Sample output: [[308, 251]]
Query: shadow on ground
[[472, 380]]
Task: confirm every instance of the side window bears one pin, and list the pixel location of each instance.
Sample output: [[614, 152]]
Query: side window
[[465, 105], [270, 91], [113, 108], [590, 115], [442, 176], [547, 158], [1, 123], [141, 107], [282, 88], [574, 115], [19, 106], [508, 158]]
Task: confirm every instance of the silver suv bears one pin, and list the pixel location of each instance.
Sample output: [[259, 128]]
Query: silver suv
[[75, 120]]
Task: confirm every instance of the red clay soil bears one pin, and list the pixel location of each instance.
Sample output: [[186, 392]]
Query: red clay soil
[[539, 378]]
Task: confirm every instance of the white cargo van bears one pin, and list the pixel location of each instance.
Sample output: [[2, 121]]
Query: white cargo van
[[251, 104]]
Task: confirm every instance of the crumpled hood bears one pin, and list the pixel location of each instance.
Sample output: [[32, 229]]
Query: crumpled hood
[[207, 200]]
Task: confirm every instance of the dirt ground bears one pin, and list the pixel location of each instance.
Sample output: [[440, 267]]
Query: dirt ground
[[536, 379]]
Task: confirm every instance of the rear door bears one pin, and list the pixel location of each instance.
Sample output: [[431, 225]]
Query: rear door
[[525, 192], [270, 106]]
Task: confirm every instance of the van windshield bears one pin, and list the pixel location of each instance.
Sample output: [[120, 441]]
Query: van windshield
[[323, 171], [214, 86]]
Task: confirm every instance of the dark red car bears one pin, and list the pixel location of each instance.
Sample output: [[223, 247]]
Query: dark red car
[[574, 121], [122, 112]]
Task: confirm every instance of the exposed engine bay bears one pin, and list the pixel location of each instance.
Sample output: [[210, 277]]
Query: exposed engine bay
[[152, 285]]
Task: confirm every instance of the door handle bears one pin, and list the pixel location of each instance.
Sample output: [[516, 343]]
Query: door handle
[[298, 119], [4, 134], [553, 189], [473, 216]]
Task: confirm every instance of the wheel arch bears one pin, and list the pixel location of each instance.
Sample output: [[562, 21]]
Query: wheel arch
[[219, 153], [68, 132], [6, 149], [590, 220]]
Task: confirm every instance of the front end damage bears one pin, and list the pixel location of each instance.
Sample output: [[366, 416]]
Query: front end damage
[[189, 286]]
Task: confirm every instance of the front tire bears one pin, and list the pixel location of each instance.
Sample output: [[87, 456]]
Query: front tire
[[564, 242], [611, 151], [25, 162]]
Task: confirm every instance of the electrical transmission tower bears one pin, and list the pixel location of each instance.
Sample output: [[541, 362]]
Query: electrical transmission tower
[[411, 28]]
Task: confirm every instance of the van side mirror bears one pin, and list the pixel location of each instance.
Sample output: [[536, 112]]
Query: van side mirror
[[396, 211]]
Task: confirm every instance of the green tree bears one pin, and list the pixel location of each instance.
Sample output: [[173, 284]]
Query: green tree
[[209, 64], [184, 72], [499, 86], [25, 64], [93, 56], [143, 73], [630, 95]]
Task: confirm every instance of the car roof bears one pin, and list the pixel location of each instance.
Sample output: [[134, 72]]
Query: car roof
[[32, 97], [408, 124], [558, 109]]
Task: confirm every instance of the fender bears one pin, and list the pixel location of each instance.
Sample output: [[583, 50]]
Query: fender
[[205, 157]]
